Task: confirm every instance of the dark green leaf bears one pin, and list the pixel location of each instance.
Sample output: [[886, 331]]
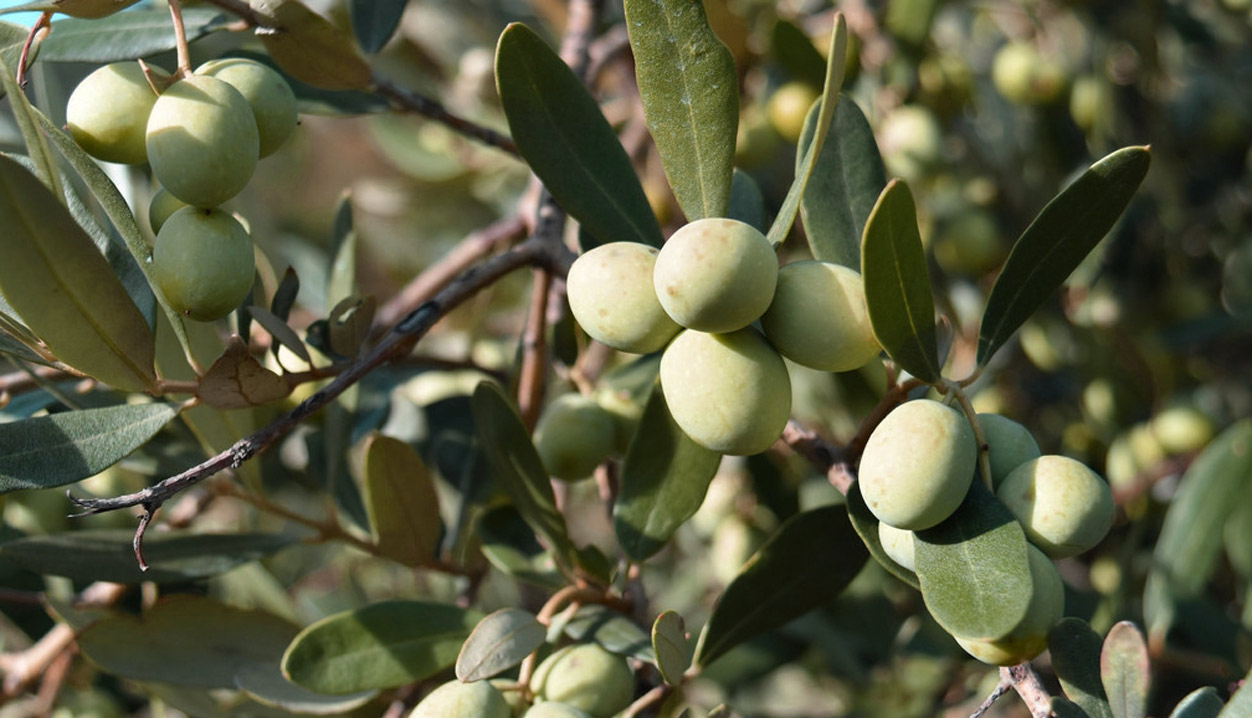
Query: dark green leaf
[[125, 35], [186, 641], [1216, 483], [109, 555], [746, 202], [374, 21], [518, 467], [690, 93], [806, 563], [796, 54], [383, 645], [1058, 239], [341, 277], [866, 525], [265, 684], [1124, 671], [510, 545], [400, 501], [825, 112], [663, 481], [612, 630], [499, 642], [37, 150], [974, 570], [1200, 703], [283, 334], [1075, 650], [285, 295], [560, 131], [1062, 708], [46, 451], [846, 183], [897, 284], [672, 649]]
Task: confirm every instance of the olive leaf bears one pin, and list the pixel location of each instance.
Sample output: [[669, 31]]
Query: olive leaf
[[309, 47]]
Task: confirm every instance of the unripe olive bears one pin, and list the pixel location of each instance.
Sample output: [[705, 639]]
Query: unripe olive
[[1024, 76], [756, 142], [1009, 445], [573, 436], [729, 392], [789, 106], [898, 544], [554, 710], [162, 206], [1090, 98], [203, 263], [911, 141], [969, 243], [918, 464], [587, 677], [1181, 430], [1064, 507], [272, 101], [612, 297], [626, 412], [107, 114], [716, 275], [734, 541], [1030, 637], [818, 317], [202, 141], [465, 700]]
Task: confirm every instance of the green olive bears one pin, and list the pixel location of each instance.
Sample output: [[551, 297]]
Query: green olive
[[716, 275], [203, 263], [1030, 637], [918, 464], [729, 392], [586, 677], [1009, 445], [1064, 507], [554, 710], [612, 297], [898, 544], [465, 700], [969, 243], [107, 114], [734, 541], [911, 142], [1182, 430], [573, 436], [202, 141], [162, 206], [789, 106], [272, 101], [818, 317], [1024, 76]]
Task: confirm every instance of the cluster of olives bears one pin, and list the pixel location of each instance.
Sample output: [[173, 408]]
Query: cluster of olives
[[918, 466], [202, 136], [577, 681], [697, 298]]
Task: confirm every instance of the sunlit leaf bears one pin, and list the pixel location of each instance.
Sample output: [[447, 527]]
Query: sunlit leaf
[[499, 642], [37, 150], [559, 129], [382, 645], [309, 47], [1058, 239], [812, 557], [1240, 703], [1075, 651], [125, 35], [265, 684], [671, 646], [400, 501], [897, 285], [612, 630], [1124, 671], [690, 94]]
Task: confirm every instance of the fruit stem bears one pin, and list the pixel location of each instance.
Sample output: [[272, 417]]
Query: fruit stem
[[180, 40], [957, 394]]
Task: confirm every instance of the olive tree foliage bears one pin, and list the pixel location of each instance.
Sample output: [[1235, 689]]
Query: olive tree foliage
[[897, 347]]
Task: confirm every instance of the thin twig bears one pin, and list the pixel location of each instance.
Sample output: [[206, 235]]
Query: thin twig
[[410, 101], [647, 700], [180, 40], [534, 371], [1001, 688], [824, 456]]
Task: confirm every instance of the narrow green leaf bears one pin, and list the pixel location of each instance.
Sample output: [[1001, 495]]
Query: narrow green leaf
[[283, 334], [806, 563], [973, 568], [897, 284], [499, 642], [125, 35], [518, 467], [1240, 704], [690, 93], [341, 280], [59, 449], [36, 145], [12, 37], [1124, 671], [265, 684], [866, 525], [400, 501], [383, 645], [186, 641], [1075, 651], [845, 185], [1216, 483], [1200, 703], [374, 21], [109, 555], [825, 112], [613, 631], [663, 481], [1058, 239], [670, 644], [560, 131], [285, 297]]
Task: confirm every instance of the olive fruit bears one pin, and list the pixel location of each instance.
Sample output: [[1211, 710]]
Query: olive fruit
[[1024, 76], [203, 263], [611, 295], [716, 275], [466, 700], [898, 544], [789, 106], [587, 677], [918, 464], [202, 141], [107, 114], [1065, 507], [729, 392], [1009, 445], [573, 436], [272, 101], [162, 206], [1030, 637], [969, 243], [1181, 430], [911, 141], [818, 317], [554, 710], [734, 541]]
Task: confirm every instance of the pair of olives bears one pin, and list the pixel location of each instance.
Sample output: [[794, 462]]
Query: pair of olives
[[724, 381], [918, 466], [202, 136]]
